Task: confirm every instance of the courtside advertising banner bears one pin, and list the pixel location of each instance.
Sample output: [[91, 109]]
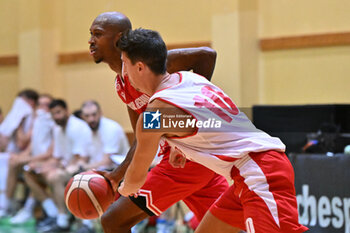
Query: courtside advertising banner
[[323, 191]]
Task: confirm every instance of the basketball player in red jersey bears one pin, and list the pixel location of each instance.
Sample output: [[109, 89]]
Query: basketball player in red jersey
[[262, 198], [195, 184]]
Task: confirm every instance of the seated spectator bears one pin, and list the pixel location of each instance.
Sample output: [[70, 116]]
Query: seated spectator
[[12, 138], [72, 138], [108, 140], [39, 149], [15, 132]]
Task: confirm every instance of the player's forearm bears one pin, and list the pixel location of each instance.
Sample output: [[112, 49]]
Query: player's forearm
[[200, 60], [136, 173]]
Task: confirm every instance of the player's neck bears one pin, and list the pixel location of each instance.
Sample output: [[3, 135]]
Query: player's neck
[[114, 62], [166, 80], [116, 66]]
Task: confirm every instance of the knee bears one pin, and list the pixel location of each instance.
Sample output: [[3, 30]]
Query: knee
[[105, 222], [108, 224], [112, 224], [13, 163], [55, 177]]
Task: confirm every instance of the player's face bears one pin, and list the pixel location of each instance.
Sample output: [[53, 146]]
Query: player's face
[[102, 42], [132, 71], [91, 114], [60, 115]]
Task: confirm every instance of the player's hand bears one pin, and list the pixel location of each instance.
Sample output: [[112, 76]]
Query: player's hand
[[177, 159], [127, 190], [110, 177]]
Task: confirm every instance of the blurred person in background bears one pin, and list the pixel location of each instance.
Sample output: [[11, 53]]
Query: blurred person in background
[[15, 133], [16, 128], [72, 138], [108, 139], [38, 151]]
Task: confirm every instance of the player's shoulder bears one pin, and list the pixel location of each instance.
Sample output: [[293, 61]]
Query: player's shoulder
[[191, 76], [158, 103]]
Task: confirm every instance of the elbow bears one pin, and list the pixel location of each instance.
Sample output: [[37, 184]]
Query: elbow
[[210, 54]]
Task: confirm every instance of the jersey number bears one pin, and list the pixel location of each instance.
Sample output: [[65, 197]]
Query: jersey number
[[224, 102]]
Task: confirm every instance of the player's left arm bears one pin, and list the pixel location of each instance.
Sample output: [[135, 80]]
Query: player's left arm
[[200, 60], [146, 149]]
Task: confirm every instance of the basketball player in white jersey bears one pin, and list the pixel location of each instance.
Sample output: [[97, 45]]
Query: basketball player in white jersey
[[216, 135], [195, 184]]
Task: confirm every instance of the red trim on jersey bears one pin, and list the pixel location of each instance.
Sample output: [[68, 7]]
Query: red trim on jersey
[[182, 110], [172, 85], [121, 88], [225, 158], [130, 95]]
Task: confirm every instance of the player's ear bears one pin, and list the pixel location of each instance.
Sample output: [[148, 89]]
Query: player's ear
[[116, 38], [140, 66]]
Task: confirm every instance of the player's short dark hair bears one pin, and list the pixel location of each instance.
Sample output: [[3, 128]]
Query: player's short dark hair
[[146, 46], [58, 102], [29, 94]]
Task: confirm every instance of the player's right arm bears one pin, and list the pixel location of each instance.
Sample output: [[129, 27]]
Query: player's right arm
[[200, 60], [145, 152], [147, 146]]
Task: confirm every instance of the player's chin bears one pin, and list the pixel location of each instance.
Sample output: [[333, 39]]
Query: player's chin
[[98, 60]]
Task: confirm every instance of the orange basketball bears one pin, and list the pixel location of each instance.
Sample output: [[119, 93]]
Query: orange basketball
[[88, 195]]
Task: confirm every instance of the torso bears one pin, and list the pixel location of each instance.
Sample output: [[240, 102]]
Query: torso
[[216, 148]]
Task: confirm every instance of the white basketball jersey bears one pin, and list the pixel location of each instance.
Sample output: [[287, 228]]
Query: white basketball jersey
[[213, 146]]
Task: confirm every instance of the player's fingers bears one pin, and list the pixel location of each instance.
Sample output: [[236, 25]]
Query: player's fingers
[[105, 175], [135, 195]]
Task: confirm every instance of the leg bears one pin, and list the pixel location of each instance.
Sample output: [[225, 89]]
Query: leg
[[201, 200], [267, 194], [57, 180], [210, 224], [4, 158], [163, 188], [36, 187], [121, 216], [14, 170]]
